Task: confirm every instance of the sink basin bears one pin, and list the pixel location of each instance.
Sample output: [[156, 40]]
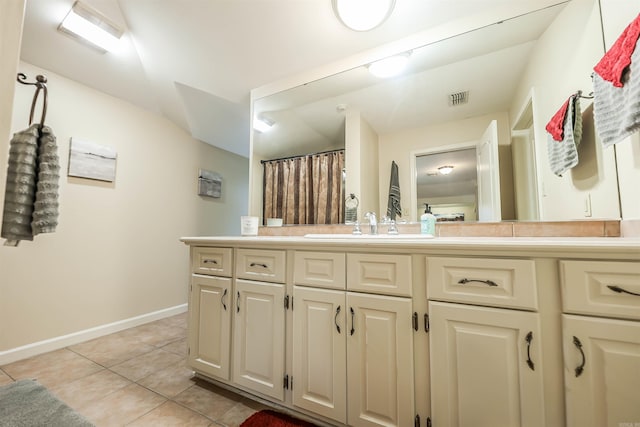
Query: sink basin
[[369, 236]]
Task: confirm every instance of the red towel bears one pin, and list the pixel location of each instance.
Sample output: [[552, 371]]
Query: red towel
[[556, 125], [614, 62]]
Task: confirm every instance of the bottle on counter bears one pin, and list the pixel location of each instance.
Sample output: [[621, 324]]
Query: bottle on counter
[[427, 221]]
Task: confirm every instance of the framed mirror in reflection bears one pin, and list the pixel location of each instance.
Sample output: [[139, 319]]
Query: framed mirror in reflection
[[515, 72]]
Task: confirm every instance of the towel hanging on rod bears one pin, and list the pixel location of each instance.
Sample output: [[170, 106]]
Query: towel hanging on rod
[[40, 84]]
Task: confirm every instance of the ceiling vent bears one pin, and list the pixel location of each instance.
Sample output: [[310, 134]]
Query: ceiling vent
[[458, 98]]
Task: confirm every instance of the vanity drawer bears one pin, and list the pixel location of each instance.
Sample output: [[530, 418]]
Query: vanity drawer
[[262, 265], [608, 288], [320, 269], [387, 274], [487, 281], [211, 261]]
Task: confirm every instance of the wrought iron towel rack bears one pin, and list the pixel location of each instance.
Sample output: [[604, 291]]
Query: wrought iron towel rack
[[40, 84]]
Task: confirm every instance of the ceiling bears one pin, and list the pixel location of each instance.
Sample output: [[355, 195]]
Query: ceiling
[[196, 61]]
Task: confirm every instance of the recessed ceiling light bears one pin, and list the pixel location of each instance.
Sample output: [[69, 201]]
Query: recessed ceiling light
[[445, 170], [362, 15], [91, 27], [389, 67], [262, 124]]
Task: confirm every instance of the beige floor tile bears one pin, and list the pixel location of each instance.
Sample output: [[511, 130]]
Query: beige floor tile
[[171, 414], [171, 381], [83, 392], [208, 401], [4, 378], [154, 333], [178, 347], [179, 320], [53, 368], [236, 415], [112, 349], [123, 406], [146, 364]]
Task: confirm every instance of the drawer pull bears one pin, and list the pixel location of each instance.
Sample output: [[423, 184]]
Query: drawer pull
[[486, 282], [335, 319], [258, 264], [353, 314], [578, 345], [620, 290], [528, 339], [224, 294], [210, 261]]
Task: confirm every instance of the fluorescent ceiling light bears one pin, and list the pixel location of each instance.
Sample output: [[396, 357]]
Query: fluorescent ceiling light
[[262, 124], [389, 67], [363, 15], [90, 26], [445, 170]]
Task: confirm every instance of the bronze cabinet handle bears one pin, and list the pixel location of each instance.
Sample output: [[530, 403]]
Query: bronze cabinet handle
[[486, 282]]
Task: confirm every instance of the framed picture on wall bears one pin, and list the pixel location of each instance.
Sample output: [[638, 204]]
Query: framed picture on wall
[[209, 184], [91, 161]]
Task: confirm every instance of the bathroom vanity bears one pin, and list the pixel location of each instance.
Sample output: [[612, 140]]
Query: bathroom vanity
[[403, 331]]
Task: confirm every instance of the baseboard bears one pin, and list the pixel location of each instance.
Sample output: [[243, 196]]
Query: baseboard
[[56, 343]]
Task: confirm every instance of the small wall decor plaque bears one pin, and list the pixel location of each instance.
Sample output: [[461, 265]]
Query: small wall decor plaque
[[209, 184], [92, 161]]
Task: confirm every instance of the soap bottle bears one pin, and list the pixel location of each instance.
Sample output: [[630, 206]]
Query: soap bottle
[[427, 221]]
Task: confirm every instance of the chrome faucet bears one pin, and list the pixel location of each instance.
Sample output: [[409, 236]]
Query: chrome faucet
[[373, 222]]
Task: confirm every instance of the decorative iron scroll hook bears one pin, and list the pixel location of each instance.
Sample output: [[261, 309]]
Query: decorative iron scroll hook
[[40, 84]]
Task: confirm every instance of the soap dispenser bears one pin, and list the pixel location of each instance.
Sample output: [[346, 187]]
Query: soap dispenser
[[427, 221]]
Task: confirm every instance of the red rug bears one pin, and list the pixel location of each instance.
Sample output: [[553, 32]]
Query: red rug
[[269, 418]]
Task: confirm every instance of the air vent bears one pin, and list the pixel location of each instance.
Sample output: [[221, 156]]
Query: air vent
[[458, 98]]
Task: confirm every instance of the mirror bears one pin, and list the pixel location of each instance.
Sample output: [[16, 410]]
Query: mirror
[[513, 71]]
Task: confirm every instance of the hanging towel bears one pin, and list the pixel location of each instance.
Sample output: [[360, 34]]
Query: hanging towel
[[614, 63], [556, 125], [393, 205], [616, 110], [32, 185], [45, 212], [563, 154]]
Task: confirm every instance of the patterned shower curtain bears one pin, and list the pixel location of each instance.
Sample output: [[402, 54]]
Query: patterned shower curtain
[[305, 189]]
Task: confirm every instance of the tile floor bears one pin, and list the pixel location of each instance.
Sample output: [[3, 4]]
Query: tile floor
[[136, 377]]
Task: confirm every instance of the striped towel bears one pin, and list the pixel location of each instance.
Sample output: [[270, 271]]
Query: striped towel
[[393, 204], [616, 110], [563, 154]]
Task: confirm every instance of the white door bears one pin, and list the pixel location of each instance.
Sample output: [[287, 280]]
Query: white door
[[210, 325], [602, 371], [379, 361], [258, 335], [488, 175], [319, 352], [480, 367]]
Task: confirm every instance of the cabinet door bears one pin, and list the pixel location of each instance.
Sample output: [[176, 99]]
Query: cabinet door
[[319, 349], [480, 374], [602, 371], [258, 332], [379, 361], [210, 325]]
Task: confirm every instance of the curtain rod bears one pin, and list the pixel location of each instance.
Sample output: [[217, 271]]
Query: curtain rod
[[300, 156]]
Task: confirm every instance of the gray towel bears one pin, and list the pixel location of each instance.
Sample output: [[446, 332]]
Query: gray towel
[[616, 110], [393, 205], [563, 155], [30, 204]]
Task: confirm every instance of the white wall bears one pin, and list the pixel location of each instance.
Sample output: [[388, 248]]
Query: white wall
[[400, 146], [560, 65], [116, 253], [361, 162]]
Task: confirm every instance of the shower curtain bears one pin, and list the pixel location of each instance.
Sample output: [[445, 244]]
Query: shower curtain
[[305, 190]]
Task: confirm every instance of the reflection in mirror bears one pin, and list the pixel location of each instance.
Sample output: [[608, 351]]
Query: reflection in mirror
[[514, 72]]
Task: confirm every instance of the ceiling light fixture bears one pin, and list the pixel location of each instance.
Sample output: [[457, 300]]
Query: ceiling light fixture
[[262, 124], [389, 67], [362, 15], [91, 27], [445, 170]]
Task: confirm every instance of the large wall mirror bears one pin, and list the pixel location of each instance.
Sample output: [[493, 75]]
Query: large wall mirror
[[512, 74]]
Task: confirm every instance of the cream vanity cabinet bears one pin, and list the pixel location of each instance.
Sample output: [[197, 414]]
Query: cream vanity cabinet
[[352, 337], [210, 311], [485, 342], [601, 331]]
